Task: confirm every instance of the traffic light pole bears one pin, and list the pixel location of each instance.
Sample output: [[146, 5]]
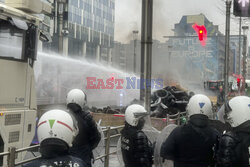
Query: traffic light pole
[[245, 28], [239, 47], [135, 41], [143, 41], [147, 15], [135, 56], [227, 48], [244, 61]]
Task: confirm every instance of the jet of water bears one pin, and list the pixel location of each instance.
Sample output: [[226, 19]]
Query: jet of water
[[56, 75]]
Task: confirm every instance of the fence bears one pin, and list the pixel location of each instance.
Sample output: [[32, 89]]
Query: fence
[[176, 118], [107, 131]]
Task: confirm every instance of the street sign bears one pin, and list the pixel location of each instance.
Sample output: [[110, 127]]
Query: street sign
[[243, 2], [242, 8]]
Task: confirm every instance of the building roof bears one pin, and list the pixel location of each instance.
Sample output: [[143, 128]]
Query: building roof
[[184, 27]]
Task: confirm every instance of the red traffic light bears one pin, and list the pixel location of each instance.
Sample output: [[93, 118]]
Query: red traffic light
[[201, 31], [238, 82], [201, 35]]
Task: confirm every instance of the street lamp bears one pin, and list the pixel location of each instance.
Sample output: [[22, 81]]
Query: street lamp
[[169, 53], [135, 32], [245, 30], [227, 48]]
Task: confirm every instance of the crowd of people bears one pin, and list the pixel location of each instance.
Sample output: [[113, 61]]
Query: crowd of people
[[67, 138], [200, 142]]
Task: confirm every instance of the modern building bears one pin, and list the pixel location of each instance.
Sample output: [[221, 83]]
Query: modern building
[[184, 27], [84, 28], [120, 56], [123, 56], [209, 58]]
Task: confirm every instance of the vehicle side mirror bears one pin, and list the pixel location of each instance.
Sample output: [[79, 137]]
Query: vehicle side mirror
[[31, 38]]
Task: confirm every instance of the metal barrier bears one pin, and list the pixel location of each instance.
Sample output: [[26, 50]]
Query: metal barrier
[[13, 151], [107, 131], [176, 117], [107, 143]]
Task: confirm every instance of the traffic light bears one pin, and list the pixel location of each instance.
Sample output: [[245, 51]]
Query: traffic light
[[238, 82], [201, 31], [242, 8], [201, 34]]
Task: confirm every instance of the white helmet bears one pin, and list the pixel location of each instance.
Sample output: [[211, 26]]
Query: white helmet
[[76, 96], [236, 111], [133, 113], [199, 104], [56, 124]]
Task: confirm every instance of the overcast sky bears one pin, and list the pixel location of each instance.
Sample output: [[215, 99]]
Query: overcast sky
[[166, 14]]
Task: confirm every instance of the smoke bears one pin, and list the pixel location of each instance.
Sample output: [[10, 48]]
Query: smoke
[[174, 68], [177, 69], [128, 19], [162, 21]]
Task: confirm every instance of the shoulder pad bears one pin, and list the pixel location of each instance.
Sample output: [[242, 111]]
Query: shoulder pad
[[229, 139], [87, 115], [229, 134]]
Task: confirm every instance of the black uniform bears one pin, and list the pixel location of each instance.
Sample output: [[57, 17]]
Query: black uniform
[[191, 145], [233, 148], [62, 161], [55, 154], [88, 137], [135, 146]]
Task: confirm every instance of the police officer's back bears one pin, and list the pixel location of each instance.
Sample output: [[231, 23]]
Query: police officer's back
[[191, 145], [232, 149], [88, 136], [135, 146], [55, 133]]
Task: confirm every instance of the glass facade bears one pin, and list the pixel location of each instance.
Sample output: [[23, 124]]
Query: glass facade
[[95, 17]]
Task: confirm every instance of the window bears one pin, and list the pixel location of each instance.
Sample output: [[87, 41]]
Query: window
[[11, 41], [89, 23], [87, 7], [112, 5]]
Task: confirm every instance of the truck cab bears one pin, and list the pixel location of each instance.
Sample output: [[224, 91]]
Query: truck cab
[[19, 34], [213, 85]]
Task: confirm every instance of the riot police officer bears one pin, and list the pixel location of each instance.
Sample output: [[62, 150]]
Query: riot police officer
[[191, 145], [88, 136], [232, 149], [135, 146], [55, 131]]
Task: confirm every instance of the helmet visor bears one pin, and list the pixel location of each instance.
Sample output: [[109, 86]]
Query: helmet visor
[[222, 114], [140, 114]]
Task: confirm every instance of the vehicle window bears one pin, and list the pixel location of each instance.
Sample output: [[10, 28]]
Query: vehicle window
[[213, 84], [11, 41]]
